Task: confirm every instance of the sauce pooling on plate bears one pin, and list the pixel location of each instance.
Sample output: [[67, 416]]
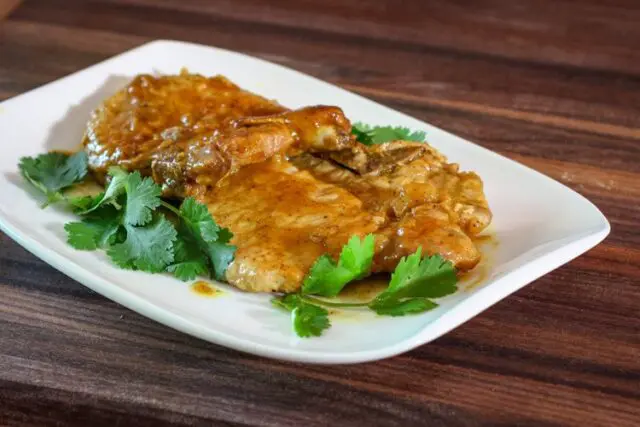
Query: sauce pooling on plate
[[205, 289]]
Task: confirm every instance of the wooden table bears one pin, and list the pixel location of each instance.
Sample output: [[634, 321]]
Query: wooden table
[[554, 84]]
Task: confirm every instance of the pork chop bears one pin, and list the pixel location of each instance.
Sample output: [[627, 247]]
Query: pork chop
[[188, 131], [195, 165], [426, 201], [283, 219], [290, 185], [130, 126]]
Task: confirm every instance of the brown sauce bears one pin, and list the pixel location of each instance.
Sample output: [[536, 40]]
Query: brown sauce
[[205, 289], [487, 243], [366, 289]]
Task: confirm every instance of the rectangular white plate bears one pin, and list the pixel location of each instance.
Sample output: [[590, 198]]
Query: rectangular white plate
[[539, 223]]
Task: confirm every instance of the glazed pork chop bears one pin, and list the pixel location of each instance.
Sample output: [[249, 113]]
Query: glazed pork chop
[[132, 125], [195, 165], [283, 219], [426, 202], [290, 185], [189, 131]]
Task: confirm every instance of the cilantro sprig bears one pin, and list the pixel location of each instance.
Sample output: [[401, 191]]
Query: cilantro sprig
[[190, 245], [131, 223], [415, 282], [54, 172], [205, 243], [308, 320], [327, 278], [372, 135]]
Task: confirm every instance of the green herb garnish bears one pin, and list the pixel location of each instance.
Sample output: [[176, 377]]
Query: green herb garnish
[[372, 135], [309, 320], [137, 229], [327, 278], [147, 248], [200, 230], [414, 283], [53, 172]]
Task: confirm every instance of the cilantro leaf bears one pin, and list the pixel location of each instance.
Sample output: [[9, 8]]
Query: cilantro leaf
[[199, 220], [287, 302], [221, 255], [143, 196], [116, 186], [189, 261], [212, 239], [430, 277], [82, 236], [394, 307], [83, 204], [327, 278], [95, 231], [53, 172], [357, 255], [362, 133], [188, 270], [308, 320], [148, 248], [413, 282], [372, 135]]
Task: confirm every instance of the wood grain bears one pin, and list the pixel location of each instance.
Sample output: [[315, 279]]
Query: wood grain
[[552, 84], [6, 6]]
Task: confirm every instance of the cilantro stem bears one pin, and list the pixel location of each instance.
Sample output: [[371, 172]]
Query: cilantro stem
[[170, 207], [326, 303]]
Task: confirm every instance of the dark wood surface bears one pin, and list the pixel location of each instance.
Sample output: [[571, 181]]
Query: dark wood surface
[[554, 84]]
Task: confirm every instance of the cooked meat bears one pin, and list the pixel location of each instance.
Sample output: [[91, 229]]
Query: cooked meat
[[428, 226], [283, 219], [188, 131], [194, 166], [426, 201], [382, 158], [132, 124], [291, 185]]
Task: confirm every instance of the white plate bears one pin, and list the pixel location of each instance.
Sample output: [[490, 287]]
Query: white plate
[[539, 223]]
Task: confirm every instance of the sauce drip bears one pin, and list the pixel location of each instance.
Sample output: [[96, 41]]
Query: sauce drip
[[487, 243], [205, 289], [366, 289]]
